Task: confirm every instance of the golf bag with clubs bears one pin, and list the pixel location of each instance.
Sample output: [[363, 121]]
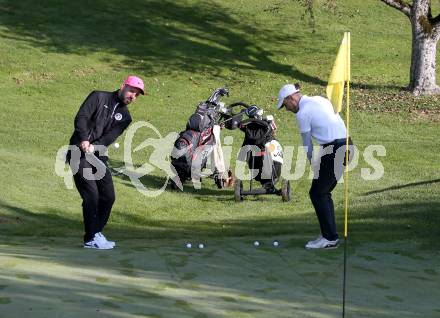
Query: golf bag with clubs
[[196, 144], [260, 150]]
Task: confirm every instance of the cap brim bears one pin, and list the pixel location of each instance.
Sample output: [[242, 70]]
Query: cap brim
[[140, 89], [280, 104]]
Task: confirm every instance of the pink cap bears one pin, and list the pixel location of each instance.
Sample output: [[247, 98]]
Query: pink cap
[[135, 81]]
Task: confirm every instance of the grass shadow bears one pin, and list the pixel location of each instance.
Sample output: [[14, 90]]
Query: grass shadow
[[154, 37], [416, 222], [403, 186]]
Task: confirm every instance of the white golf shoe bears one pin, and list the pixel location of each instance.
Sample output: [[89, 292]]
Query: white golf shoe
[[322, 242], [112, 243], [98, 242]]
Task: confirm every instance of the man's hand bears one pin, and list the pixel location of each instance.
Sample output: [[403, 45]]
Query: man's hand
[[84, 145]]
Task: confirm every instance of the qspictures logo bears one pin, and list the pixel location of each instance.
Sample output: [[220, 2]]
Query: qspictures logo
[[294, 161]]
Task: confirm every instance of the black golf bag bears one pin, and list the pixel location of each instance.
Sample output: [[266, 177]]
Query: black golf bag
[[193, 147], [262, 151]]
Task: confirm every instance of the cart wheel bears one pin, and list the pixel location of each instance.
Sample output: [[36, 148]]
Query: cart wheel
[[238, 188], [285, 191]]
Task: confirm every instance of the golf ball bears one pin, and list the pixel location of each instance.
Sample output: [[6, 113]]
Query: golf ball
[[276, 243], [116, 145], [188, 245], [201, 245], [256, 243]]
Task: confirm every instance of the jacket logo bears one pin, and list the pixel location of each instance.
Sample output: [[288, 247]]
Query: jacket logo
[[118, 116]]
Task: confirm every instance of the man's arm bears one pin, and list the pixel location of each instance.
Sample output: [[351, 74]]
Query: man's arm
[[307, 142], [116, 130], [305, 128], [84, 115]]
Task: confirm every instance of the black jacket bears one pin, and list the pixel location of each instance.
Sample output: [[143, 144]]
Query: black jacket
[[101, 119]]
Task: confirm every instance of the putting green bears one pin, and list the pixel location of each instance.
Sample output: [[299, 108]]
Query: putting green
[[228, 278]]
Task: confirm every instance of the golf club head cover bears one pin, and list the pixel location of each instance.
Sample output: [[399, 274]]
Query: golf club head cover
[[251, 111]]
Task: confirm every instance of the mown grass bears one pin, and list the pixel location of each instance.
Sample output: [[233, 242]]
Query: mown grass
[[53, 53]]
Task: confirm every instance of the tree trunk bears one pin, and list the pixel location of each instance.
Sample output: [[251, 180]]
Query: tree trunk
[[424, 49]]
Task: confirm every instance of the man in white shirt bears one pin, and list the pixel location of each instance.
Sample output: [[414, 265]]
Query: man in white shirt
[[316, 119]]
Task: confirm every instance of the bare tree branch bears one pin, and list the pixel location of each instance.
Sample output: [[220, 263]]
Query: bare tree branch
[[400, 5], [435, 21]]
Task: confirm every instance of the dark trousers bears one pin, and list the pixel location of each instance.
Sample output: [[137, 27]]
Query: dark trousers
[[98, 197], [330, 171]]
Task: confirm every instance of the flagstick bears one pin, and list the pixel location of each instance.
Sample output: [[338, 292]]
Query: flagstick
[[346, 180]]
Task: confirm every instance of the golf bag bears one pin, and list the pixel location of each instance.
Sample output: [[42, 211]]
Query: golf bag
[[196, 143], [260, 149]]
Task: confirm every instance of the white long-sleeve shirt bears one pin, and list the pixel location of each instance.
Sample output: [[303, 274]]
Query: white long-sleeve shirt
[[317, 116]]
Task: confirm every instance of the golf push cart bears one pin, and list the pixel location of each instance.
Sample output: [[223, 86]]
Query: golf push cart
[[260, 150]]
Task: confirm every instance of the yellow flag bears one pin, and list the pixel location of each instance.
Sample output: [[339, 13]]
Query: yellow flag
[[340, 74]]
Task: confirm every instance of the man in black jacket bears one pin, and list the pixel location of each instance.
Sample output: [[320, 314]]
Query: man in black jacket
[[101, 119]]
